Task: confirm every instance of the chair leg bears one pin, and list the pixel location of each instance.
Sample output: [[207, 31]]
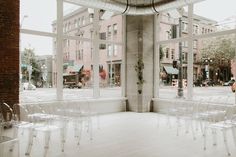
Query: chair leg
[[204, 136], [214, 135], [47, 139], [30, 141], [15, 132], [75, 123], [90, 125], [80, 126], [234, 135], [226, 143], [63, 140], [192, 129], [98, 121]]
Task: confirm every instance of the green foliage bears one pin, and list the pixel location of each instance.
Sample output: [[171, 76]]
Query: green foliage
[[28, 58], [219, 48], [139, 69]]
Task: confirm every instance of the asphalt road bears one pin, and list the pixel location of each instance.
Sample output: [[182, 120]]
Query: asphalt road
[[218, 93]]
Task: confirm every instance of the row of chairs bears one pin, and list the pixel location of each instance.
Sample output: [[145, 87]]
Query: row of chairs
[[48, 120], [204, 115]]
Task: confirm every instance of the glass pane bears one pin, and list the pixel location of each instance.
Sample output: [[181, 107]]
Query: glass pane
[[32, 16], [36, 69], [110, 56], [169, 70], [77, 72], [215, 20], [213, 75]]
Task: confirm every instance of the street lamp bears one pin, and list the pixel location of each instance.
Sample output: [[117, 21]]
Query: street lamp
[[180, 76], [21, 24], [29, 68], [44, 74], [207, 62], [22, 20], [177, 14]]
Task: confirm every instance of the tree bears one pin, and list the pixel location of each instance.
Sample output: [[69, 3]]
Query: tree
[[218, 48], [220, 51], [28, 58]]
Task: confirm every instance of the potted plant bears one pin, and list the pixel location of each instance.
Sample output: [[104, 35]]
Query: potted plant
[[139, 69]]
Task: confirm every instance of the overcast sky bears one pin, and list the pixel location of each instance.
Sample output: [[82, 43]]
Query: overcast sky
[[42, 13]]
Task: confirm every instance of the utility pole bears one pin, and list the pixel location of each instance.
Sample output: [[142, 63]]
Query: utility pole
[[180, 76]]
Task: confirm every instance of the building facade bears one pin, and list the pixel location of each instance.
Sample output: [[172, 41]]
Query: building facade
[[170, 52], [79, 53]]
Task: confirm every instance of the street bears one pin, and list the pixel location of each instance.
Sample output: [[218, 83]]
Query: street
[[221, 94]]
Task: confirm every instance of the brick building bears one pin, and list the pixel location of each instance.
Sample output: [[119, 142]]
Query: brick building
[[79, 53]]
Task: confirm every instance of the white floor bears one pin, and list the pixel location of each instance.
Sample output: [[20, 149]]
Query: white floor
[[131, 134]]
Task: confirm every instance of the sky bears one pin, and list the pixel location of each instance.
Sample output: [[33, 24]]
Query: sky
[[40, 15]]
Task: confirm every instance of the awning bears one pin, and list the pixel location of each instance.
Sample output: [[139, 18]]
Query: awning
[[171, 70], [68, 74], [75, 68]]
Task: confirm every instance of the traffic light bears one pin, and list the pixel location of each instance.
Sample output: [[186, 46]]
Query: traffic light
[[174, 64]]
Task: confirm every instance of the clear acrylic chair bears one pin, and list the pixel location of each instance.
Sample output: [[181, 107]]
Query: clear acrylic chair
[[41, 122], [184, 113], [7, 142], [228, 122]]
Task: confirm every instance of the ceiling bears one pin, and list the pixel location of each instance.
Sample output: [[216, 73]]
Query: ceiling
[[133, 7]]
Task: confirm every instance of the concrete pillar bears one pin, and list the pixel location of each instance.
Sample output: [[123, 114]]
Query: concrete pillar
[[59, 53], [190, 53], [96, 90], [140, 46]]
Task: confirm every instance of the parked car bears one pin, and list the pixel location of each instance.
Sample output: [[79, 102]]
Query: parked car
[[229, 83], [233, 87], [208, 83], [28, 86], [197, 83]]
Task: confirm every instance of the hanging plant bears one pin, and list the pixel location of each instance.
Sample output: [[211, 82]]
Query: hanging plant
[[139, 69]]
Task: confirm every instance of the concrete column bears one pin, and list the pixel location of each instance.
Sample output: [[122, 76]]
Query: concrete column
[[123, 64], [59, 53], [96, 90], [140, 45], [156, 64], [190, 53]]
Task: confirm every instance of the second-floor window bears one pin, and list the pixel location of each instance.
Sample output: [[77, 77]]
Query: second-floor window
[[195, 44], [91, 18], [109, 50], [184, 26], [167, 52], [69, 27], [195, 57], [102, 36], [109, 31], [78, 22], [81, 54], [172, 53], [168, 35], [83, 21], [185, 44], [195, 29], [75, 23], [115, 50], [115, 29]]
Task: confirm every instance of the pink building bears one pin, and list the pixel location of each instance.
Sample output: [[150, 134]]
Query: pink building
[[78, 54]]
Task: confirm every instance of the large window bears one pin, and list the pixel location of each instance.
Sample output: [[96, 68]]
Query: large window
[[79, 56], [211, 56]]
